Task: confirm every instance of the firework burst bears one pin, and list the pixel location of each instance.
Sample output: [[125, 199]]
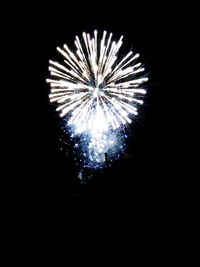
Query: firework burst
[[97, 94]]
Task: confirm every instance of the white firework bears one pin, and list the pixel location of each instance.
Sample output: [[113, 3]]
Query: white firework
[[97, 92]]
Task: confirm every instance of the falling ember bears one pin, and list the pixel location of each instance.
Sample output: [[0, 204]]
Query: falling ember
[[97, 94]]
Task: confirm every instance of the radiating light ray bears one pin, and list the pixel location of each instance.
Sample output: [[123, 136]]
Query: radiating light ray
[[96, 93]]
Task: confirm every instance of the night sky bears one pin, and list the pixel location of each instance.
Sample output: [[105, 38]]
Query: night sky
[[126, 211]]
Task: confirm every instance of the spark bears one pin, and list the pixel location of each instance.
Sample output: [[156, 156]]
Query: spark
[[97, 93]]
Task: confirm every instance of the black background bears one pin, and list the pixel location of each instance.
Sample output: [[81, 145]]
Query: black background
[[127, 212]]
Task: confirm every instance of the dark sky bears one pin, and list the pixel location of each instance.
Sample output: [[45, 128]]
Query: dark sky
[[135, 200]]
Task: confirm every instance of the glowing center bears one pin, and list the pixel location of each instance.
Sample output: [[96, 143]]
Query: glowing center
[[97, 91]]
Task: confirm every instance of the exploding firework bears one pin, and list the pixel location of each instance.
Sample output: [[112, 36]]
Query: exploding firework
[[97, 94]]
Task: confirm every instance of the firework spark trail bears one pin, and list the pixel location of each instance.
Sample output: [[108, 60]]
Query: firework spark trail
[[97, 93]]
